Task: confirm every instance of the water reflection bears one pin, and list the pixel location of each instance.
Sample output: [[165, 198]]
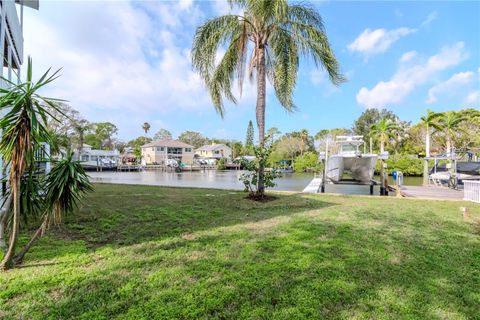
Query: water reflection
[[222, 180]]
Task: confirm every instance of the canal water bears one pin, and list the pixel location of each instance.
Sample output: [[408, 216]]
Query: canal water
[[225, 180]]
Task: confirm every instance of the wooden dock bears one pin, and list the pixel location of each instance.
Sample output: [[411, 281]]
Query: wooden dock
[[431, 192]]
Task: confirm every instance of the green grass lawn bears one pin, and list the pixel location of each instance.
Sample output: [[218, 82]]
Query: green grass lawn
[[140, 252]]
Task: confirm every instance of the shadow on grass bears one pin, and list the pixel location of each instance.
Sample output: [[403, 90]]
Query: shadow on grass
[[123, 215]]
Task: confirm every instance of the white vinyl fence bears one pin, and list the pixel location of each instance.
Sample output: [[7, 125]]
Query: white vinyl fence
[[471, 191]]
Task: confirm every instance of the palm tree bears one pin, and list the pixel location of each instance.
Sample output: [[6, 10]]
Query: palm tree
[[278, 34], [304, 138], [23, 128], [81, 127], [429, 120], [272, 132], [383, 130], [146, 128], [449, 121]]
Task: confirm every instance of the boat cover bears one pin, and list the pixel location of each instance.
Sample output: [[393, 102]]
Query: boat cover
[[471, 168]]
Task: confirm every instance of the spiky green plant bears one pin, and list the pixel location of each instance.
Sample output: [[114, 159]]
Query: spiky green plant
[[276, 33], [23, 127], [65, 185]]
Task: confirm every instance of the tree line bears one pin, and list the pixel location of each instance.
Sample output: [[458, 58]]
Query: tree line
[[436, 133]]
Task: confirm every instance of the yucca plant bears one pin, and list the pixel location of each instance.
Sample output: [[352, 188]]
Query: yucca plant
[[278, 34], [65, 185], [23, 127]]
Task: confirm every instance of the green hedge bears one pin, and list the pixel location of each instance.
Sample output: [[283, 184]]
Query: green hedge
[[407, 164], [307, 162]]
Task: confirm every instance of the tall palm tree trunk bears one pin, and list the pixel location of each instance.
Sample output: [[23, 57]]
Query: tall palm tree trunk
[[260, 113], [427, 142], [427, 154], [449, 144]]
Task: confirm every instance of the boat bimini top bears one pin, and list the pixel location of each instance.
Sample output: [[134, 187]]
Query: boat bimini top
[[349, 145]]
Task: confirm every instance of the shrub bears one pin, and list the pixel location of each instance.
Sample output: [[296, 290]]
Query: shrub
[[307, 161], [250, 178]]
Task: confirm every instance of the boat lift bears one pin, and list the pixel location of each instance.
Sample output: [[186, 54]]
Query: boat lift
[[323, 156]]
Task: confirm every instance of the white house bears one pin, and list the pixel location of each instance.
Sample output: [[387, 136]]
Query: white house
[[214, 151], [160, 151]]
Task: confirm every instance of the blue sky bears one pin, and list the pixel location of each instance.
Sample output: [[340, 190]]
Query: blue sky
[[128, 62]]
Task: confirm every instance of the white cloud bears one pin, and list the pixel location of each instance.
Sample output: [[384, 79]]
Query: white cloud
[[407, 56], [455, 81], [371, 42], [406, 79], [131, 64], [430, 18], [473, 98]]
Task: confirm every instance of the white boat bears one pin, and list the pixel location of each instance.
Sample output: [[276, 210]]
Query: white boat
[[361, 166]]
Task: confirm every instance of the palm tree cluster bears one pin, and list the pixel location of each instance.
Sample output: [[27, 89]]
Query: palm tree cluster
[[266, 41], [448, 123]]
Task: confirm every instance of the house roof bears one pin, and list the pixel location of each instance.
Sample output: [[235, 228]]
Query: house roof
[[212, 147], [167, 143]]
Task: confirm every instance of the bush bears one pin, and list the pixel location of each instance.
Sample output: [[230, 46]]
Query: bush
[[409, 165], [307, 162], [250, 178]]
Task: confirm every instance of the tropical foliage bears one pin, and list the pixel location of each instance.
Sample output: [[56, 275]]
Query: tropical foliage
[[24, 130], [27, 128], [61, 192]]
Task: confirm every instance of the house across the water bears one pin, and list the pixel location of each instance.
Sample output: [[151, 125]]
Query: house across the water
[[160, 151], [214, 151]]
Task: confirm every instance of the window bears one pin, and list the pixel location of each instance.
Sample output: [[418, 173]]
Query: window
[[94, 158], [174, 150], [158, 148], [188, 149], [153, 148], [85, 157], [216, 152]]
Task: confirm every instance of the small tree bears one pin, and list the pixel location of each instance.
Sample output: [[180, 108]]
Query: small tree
[[250, 178], [162, 134]]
